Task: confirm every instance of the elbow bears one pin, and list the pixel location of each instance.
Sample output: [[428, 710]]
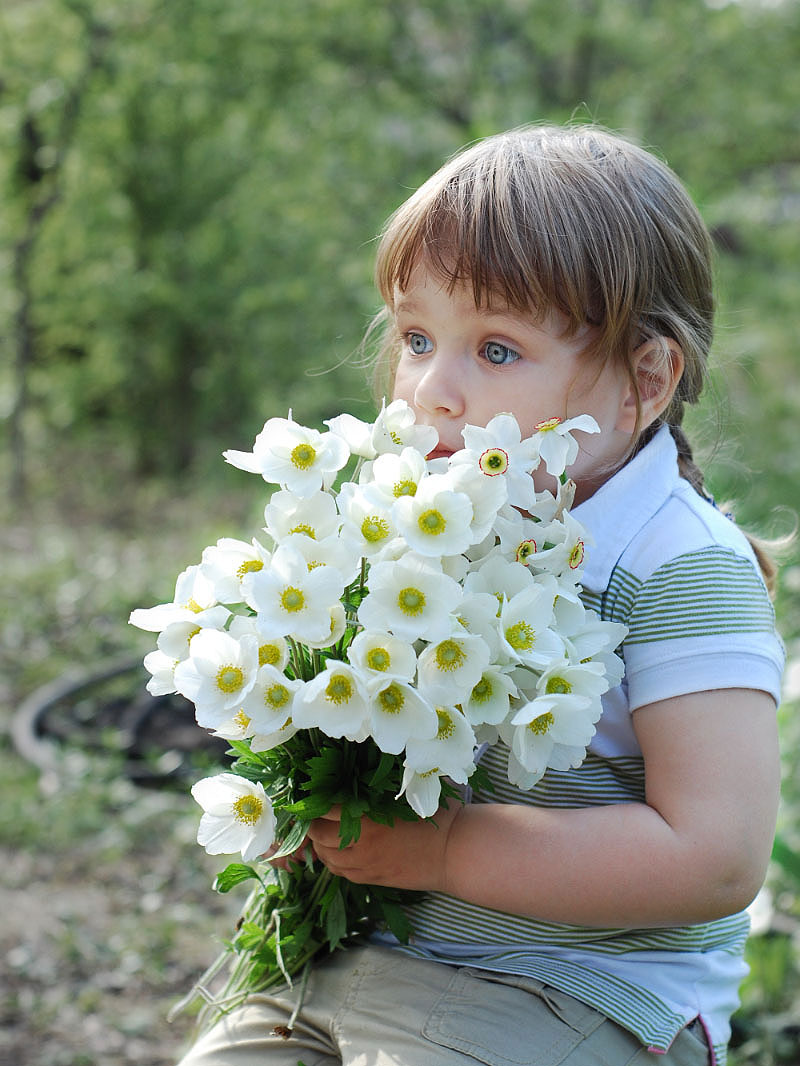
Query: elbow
[[734, 882]]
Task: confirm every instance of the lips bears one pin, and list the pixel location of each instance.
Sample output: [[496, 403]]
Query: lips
[[441, 451]]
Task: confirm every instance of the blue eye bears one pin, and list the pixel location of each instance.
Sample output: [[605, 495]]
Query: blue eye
[[419, 343], [500, 354]]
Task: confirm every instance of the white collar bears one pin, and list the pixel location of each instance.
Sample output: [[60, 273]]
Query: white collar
[[614, 514]]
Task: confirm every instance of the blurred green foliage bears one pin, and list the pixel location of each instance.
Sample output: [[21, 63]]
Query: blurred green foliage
[[190, 192]]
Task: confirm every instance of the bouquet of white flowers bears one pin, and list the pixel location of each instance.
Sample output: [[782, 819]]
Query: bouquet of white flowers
[[362, 655]]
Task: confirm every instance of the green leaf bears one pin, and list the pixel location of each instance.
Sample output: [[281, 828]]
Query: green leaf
[[234, 875], [350, 824], [310, 807], [396, 920], [382, 770], [294, 839], [250, 936], [336, 919]]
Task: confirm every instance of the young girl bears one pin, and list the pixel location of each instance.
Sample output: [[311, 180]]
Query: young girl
[[597, 918]]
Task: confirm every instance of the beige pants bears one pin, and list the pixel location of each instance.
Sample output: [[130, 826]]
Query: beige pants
[[371, 1006]]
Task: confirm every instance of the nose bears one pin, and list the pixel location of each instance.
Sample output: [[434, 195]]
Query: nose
[[440, 388]]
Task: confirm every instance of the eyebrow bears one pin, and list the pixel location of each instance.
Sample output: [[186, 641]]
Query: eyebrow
[[411, 307]]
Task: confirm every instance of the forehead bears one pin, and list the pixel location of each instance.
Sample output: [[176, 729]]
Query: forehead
[[428, 289]]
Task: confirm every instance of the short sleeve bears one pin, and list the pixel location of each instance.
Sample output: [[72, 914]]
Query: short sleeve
[[702, 620]]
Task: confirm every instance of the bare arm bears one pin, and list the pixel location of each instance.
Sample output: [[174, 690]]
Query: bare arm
[[696, 850]]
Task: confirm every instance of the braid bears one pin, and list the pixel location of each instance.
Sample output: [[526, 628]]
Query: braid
[[687, 467]]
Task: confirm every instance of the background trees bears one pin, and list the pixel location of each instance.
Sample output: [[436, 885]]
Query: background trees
[[191, 188]]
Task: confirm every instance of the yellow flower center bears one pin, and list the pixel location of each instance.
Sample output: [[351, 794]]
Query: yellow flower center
[[379, 659], [269, 655], [547, 424], [557, 684], [540, 725], [576, 555], [303, 456], [483, 691], [292, 599], [521, 636], [340, 689], [229, 679], [241, 719], [447, 726], [247, 809], [249, 566], [411, 600], [432, 522], [431, 772], [525, 549], [391, 700], [276, 696], [305, 529], [493, 461], [406, 487], [374, 529], [194, 606], [394, 437], [449, 655]]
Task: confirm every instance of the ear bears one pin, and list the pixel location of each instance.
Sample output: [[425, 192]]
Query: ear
[[656, 368]]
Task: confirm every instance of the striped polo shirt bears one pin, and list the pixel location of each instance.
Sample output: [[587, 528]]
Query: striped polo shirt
[[683, 579]]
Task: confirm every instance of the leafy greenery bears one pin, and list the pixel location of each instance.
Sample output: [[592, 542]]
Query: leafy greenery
[[189, 195]]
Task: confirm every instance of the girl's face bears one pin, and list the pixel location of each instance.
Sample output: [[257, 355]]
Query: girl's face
[[462, 365]]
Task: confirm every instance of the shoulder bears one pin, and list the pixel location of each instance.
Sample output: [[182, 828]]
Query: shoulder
[[689, 571]]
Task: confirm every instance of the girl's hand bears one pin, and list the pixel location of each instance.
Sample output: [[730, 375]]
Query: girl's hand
[[410, 855]]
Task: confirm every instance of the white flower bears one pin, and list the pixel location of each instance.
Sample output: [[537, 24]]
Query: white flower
[[448, 754], [335, 701], [489, 701], [422, 790], [479, 613], [161, 668], [300, 459], [524, 626], [376, 652], [226, 563], [267, 741], [551, 731], [273, 651], [195, 601], [436, 520], [369, 525], [218, 674], [337, 551], [270, 701], [449, 669], [397, 712], [557, 447], [410, 597], [238, 816], [582, 680], [315, 515], [394, 429], [499, 454], [394, 476], [589, 639], [498, 576], [338, 628], [356, 434], [292, 600], [487, 496], [172, 648]]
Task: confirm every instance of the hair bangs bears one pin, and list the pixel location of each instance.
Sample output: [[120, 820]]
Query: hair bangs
[[475, 226]]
